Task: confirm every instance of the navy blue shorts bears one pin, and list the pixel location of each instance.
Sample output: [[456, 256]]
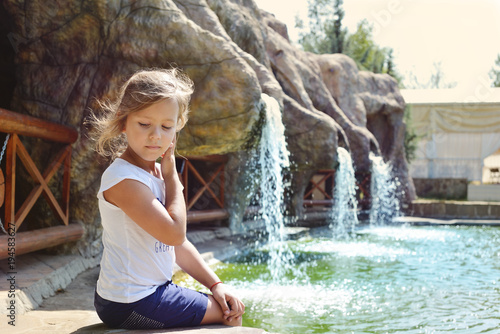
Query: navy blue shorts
[[169, 306]]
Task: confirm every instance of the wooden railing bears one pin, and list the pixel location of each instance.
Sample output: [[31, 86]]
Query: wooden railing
[[323, 182], [16, 125], [208, 186], [318, 185]]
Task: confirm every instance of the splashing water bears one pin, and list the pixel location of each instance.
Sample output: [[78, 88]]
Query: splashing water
[[344, 216], [385, 202], [390, 279], [273, 158]]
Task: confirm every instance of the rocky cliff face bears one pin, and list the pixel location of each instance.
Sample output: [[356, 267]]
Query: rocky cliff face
[[69, 53]]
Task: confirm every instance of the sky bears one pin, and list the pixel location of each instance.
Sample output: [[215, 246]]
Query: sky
[[462, 35]]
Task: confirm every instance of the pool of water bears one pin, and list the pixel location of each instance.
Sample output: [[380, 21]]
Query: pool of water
[[381, 280]]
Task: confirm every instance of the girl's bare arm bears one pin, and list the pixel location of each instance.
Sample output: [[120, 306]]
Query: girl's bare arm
[[165, 223]]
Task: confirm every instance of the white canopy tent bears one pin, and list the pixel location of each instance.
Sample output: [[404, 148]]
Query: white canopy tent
[[457, 132]]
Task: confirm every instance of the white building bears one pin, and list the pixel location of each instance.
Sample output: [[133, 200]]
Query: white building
[[459, 133]]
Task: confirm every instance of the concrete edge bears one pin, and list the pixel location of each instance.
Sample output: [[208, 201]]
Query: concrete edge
[[422, 221]]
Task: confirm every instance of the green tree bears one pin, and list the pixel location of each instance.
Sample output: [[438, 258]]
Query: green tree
[[411, 138], [325, 33], [338, 34], [361, 47], [391, 70], [495, 72]]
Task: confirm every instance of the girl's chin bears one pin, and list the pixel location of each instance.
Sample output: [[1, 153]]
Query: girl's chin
[[152, 154], [151, 157]]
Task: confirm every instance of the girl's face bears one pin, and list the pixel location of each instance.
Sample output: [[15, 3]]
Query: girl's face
[[150, 131]]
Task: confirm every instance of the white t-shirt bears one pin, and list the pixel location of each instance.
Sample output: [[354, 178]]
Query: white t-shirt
[[133, 263]]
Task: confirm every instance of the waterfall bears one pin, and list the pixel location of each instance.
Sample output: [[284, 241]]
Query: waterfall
[[385, 202], [344, 216], [273, 158]]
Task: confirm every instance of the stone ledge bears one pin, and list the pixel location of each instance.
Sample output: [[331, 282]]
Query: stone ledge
[[420, 221], [454, 209], [211, 329]]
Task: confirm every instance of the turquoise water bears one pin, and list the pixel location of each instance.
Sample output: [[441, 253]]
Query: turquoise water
[[382, 280]]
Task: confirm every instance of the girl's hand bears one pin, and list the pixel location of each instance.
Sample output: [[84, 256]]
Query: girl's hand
[[232, 307], [168, 162]]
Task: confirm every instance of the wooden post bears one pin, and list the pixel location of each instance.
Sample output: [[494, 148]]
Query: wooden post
[[10, 182], [31, 241], [197, 216], [66, 184], [19, 124], [25, 125]]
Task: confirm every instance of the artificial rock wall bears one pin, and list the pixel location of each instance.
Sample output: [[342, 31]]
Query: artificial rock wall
[[68, 53]]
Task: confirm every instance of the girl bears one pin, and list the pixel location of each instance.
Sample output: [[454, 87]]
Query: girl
[[143, 214]]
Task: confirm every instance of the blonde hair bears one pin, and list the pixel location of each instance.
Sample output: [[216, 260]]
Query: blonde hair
[[143, 89]]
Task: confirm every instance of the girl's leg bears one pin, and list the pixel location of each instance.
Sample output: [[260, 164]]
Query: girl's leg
[[214, 315]]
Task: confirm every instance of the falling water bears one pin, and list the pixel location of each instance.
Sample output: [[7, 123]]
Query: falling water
[[385, 202], [344, 213], [273, 158]]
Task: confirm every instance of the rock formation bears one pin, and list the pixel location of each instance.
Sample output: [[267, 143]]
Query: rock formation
[[69, 54], [371, 101]]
